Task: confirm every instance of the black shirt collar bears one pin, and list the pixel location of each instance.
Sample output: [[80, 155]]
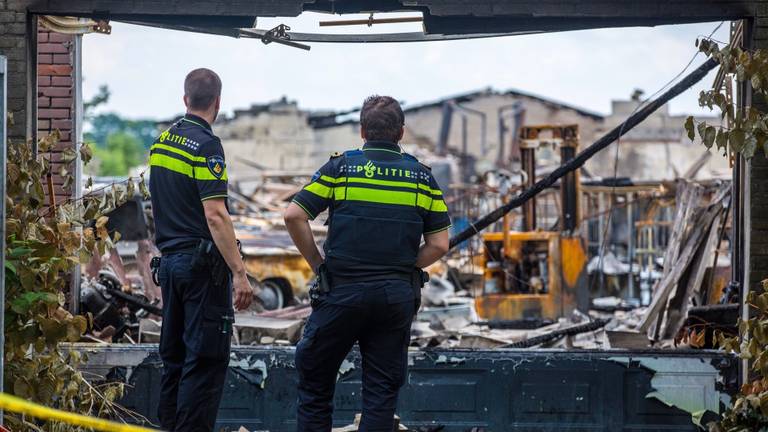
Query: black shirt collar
[[381, 145], [191, 118]]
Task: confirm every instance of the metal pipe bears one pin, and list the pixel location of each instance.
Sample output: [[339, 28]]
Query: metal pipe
[[445, 129], [697, 75], [370, 21], [77, 138], [515, 110], [483, 124]]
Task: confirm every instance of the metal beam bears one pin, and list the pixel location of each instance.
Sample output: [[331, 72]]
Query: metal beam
[[114, 9]]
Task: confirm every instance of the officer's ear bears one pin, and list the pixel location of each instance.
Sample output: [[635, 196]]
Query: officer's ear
[[400, 134], [362, 133], [186, 101]]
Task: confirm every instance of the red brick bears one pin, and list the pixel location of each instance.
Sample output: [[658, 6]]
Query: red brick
[[55, 91], [52, 48], [58, 113], [62, 59], [62, 125], [59, 37], [61, 102], [43, 102], [42, 37], [45, 58], [43, 124], [43, 81], [61, 81], [65, 136], [55, 70]]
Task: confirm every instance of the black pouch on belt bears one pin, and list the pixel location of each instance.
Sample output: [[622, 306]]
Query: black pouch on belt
[[419, 278]]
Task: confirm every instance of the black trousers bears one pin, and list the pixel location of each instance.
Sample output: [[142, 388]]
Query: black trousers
[[194, 345], [377, 315]]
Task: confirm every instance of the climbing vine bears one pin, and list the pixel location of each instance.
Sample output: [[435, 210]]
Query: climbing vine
[[44, 243], [749, 409], [744, 130]]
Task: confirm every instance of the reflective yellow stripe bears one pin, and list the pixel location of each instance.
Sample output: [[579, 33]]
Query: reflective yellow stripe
[[203, 173], [410, 185], [379, 196], [319, 189], [185, 168], [177, 151], [327, 179], [439, 206], [173, 164], [394, 183]]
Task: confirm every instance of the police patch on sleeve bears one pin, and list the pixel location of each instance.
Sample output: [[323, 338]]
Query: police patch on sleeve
[[216, 166], [315, 177]]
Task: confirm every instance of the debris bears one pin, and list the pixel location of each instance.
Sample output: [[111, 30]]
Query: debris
[[149, 331], [557, 334], [356, 425], [437, 291], [694, 236], [251, 329], [627, 339]]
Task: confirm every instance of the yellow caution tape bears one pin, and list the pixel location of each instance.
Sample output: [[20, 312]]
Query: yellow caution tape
[[21, 406]]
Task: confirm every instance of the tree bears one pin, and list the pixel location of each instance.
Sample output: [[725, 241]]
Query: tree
[[119, 144], [122, 152]]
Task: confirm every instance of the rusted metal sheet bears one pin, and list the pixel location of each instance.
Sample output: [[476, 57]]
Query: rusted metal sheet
[[285, 265], [565, 278], [495, 390]]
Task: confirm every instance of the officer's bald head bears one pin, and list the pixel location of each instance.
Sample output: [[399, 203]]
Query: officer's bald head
[[202, 89]]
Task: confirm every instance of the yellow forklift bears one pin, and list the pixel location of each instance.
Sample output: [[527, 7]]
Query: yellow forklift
[[537, 274]]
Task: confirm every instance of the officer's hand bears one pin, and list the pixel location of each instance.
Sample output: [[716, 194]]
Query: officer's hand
[[242, 292]]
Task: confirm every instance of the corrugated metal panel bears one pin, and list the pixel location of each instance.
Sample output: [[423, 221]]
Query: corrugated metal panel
[[497, 390]]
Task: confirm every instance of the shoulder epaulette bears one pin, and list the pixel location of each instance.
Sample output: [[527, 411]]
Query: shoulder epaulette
[[428, 168]]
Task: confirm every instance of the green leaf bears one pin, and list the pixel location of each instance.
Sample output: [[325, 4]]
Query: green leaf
[[19, 252], [709, 136], [26, 301], [736, 140], [755, 81], [750, 146], [689, 127], [702, 128], [721, 140]]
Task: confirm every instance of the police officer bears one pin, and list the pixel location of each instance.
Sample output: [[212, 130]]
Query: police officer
[[381, 203], [200, 261]]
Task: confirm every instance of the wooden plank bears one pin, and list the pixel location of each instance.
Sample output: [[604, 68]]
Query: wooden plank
[[668, 282], [679, 302]]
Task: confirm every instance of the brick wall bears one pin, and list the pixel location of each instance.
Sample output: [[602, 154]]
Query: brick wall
[[13, 45], [55, 97]]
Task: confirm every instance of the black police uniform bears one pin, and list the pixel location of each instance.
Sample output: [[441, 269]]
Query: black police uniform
[[187, 167], [381, 203]]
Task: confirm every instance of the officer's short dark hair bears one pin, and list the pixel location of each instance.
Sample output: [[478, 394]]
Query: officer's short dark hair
[[382, 118], [202, 87]]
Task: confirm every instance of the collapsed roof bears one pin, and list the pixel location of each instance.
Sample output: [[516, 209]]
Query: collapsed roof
[[441, 17]]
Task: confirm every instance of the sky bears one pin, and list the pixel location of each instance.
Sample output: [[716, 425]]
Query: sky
[[145, 67]]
